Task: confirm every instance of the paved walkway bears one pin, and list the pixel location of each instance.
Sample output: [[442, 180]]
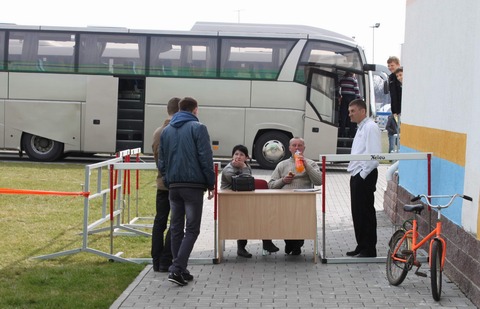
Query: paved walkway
[[283, 281]]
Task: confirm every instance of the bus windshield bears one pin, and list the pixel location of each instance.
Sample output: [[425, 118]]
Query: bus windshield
[[330, 56]]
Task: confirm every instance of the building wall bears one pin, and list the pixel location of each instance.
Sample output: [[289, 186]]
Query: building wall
[[440, 110], [441, 60]]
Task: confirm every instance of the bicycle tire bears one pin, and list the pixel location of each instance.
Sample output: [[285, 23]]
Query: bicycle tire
[[396, 270], [436, 269]]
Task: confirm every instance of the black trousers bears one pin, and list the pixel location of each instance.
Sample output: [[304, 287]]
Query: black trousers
[[161, 244], [363, 211], [294, 244]]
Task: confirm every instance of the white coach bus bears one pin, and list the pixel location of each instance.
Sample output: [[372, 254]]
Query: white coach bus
[[102, 90]]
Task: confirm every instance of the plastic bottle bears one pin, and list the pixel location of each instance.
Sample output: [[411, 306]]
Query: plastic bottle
[[298, 162]]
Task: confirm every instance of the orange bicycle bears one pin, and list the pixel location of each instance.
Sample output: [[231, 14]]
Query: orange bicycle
[[404, 243]]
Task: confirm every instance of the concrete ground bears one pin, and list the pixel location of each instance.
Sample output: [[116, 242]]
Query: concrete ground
[[284, 281]]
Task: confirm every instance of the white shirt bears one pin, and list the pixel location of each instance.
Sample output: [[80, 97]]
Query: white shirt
[[367, 141]]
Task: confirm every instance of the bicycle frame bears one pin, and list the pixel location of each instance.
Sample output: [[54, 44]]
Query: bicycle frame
[[412, 233], [404, 243]]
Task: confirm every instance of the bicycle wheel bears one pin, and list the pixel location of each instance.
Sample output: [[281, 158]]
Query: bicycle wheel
[[436, 269], [396, 270]]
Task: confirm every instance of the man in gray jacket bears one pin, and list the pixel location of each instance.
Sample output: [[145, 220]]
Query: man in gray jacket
[[162, 250], [186, 164]]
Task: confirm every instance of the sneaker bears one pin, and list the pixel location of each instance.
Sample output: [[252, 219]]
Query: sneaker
[[177, 279], [187, 277]]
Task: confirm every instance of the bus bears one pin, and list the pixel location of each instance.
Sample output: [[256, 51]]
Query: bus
[[94, 90]]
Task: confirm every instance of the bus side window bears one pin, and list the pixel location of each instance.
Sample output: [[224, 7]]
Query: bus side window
[[40, 66], [131, 67], [260, 71], [166, 67]]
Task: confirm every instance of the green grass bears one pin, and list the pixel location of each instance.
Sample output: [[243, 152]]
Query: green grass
[[34, 225]]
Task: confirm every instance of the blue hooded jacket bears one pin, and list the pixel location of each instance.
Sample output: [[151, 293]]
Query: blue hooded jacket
[[185, 155]]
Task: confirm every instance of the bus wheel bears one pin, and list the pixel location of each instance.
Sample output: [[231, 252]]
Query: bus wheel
[[271, 148], [41, 149]]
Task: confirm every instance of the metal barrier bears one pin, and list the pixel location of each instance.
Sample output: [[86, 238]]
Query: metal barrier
[[363, 157], [111, 207], [125, 166]]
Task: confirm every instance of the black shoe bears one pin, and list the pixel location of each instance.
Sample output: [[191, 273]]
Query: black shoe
[[243, 253], [353, 253], [187, 276], [368, 255], [288, 250], [162, 268], [155, 265], [177, 279], [270, 247], [297, 251]]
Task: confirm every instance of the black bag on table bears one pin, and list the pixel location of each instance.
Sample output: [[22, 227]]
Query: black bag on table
[[243, 182]]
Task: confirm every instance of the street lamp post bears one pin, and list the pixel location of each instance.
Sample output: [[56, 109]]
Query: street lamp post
[[373, 40], [238, 15]]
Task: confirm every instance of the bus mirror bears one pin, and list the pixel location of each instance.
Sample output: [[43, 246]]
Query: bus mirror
[[386, 90], [369, 67]]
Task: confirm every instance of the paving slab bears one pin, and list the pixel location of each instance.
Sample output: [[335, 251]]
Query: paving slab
[[283, 281]]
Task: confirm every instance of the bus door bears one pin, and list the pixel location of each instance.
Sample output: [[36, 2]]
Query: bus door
[[100, 114], [321, 116], [131, 113]]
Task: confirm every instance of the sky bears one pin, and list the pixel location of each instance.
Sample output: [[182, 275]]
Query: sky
[[353, 18]]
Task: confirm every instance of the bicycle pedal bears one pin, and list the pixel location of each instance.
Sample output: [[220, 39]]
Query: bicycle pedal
[[420, 274], [407, 252]]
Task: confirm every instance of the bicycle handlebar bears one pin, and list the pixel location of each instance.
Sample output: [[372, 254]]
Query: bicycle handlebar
[[416, 198], [451, 197]]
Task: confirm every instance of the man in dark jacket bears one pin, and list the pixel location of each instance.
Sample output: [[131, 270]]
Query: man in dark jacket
[[394, 86], [186, 164]]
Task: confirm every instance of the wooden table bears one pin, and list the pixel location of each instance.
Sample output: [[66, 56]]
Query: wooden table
[[267, 214]]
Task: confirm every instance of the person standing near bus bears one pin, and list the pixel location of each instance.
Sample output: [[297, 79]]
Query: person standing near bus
[[285, 176], [399, 75], [392, 129], [394, 85], [238, 166], [186, 163], [161, 245], [349, 91], [363, 180]]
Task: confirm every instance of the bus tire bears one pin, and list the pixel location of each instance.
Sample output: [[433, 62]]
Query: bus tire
[[270, 148], [41, 149]]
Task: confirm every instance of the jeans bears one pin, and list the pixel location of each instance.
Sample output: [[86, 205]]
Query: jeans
[[391, 143], [186, 216], [161, 251]]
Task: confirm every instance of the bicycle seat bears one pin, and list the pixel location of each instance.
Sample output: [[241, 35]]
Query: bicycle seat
[[414, 208]]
